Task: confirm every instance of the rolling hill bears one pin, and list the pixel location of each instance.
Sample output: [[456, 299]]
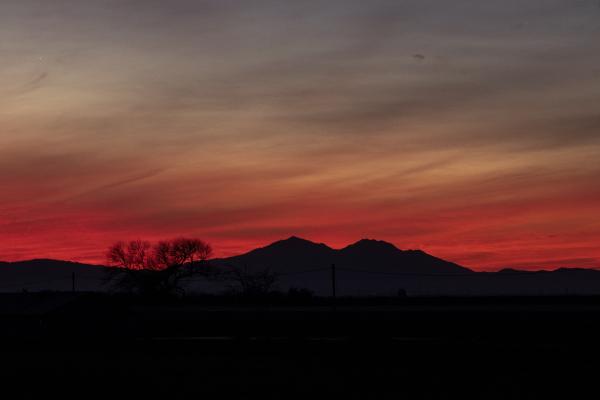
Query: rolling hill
[[365, 268]]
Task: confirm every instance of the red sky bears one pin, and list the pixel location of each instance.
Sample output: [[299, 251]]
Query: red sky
[[467, 130]]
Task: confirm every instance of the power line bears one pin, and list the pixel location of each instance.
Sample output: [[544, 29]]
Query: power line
[[303, 272], [433, 274]]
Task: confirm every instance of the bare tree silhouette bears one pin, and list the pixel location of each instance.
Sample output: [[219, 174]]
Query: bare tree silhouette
[[141, 267], [250, 283]]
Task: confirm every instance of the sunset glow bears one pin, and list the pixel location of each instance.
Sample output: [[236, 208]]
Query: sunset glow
[[467, 129]]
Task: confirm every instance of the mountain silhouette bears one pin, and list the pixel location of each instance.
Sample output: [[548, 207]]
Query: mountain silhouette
[[367, 267], [46, 274], [295, 254], [46, 263], [290, 254], [383, 256]]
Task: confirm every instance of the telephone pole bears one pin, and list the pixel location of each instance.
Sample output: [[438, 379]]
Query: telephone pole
[[333, 283], [73, 282]]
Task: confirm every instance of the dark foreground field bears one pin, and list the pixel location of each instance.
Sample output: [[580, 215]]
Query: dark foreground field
[[494, 348]]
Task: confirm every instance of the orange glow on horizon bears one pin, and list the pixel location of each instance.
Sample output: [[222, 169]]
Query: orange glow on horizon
[[245, 125]]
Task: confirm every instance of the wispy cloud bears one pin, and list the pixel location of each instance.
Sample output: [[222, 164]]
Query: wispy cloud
[[422, 122]]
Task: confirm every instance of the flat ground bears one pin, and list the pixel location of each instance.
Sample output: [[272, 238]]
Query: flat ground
[[421, 349]]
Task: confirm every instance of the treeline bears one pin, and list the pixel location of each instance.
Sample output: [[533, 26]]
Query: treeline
[[162, 269]]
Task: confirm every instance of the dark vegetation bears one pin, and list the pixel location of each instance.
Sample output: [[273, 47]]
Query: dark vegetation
[[365, 269], [221, 346], [152, 338], [146, 269], [158, 270]]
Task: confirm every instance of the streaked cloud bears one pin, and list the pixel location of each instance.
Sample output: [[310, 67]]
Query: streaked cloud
[[467, 128]]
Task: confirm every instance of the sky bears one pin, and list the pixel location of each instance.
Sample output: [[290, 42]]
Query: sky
[[469, 129]]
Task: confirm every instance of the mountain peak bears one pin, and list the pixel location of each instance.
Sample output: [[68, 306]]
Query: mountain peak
[[295, 238], [371, 245], [293, 253], [295, 241]]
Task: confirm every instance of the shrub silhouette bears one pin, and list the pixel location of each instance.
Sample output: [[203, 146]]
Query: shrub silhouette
[[251, 283]]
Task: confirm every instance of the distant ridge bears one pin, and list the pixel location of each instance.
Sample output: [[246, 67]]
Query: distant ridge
[[48, 274], [295, 253], [48, 262], [365, 268]]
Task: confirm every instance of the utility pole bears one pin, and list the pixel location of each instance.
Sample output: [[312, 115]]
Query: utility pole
[[333, 284], [73, 282]]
